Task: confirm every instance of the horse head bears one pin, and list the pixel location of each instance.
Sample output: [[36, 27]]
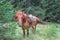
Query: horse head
[[21, 17]]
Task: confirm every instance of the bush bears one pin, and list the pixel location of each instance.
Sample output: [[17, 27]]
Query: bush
[[6, 11]]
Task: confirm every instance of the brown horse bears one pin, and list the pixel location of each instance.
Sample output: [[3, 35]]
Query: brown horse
[[26, 22]]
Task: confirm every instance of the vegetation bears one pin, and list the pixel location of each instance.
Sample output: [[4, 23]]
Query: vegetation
[[6, 11], [11, 31], [47, 10]]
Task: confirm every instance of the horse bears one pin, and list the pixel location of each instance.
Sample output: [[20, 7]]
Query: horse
[[26, 22]]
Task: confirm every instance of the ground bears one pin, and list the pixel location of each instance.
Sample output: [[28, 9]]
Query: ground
[[11, 31]]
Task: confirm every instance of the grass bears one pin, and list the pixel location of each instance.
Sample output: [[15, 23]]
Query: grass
[[11, 31]]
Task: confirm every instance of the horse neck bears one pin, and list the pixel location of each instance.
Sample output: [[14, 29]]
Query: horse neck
[[26, 19]]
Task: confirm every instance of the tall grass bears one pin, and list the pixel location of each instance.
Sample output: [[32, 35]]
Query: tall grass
[[11, 31]]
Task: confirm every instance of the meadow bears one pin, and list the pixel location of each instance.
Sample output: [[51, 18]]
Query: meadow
[[11, 31]]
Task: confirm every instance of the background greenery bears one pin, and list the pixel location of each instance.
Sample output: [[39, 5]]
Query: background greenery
[[47, 10]]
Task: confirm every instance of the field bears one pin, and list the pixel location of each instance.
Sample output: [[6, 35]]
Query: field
[[11, 31]]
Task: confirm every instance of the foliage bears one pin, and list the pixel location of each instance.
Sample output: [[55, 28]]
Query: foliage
[[48, 10], [6, 10]]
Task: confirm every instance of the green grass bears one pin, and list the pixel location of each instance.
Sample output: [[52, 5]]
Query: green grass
[[11, 31]]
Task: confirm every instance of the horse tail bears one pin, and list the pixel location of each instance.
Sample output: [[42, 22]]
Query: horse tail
[[40, 22]]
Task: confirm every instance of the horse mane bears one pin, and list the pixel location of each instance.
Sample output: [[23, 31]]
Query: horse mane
[[26, 18]]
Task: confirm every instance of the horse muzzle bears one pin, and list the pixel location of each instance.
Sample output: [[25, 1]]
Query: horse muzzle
[[20, 24]]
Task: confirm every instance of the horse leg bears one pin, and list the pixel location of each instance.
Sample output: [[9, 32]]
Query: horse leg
[[27, 32], [23, 32], [34, 28]]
